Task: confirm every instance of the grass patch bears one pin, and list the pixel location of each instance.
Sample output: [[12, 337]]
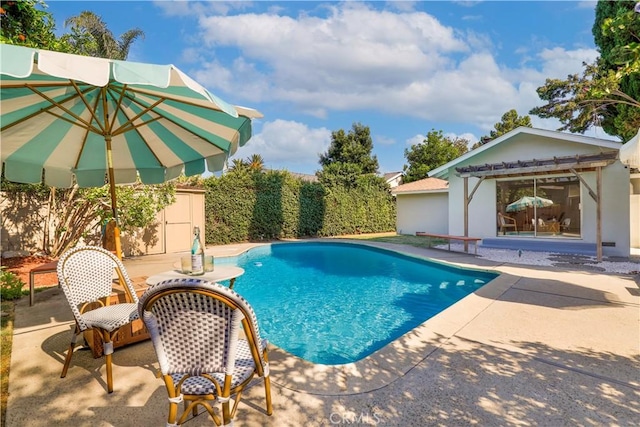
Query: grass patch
[[6, 339], [402, 239]]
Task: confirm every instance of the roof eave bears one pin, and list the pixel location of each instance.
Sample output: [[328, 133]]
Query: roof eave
[[442, 172], [443, 190]]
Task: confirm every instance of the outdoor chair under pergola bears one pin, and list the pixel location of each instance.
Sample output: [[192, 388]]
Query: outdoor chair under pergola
[[506, 222]]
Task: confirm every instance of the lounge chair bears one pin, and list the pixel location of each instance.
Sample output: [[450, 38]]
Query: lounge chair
[[505, 223], [194, 327], [86, 275]]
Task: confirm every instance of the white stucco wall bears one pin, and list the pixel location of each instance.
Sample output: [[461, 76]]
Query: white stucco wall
[[393, 183], [482, 214], [634, 210], [481, 209], [615, 209], [635, 221], [422, 212]]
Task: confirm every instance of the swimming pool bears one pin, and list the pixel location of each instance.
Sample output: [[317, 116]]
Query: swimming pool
[[335, 303]]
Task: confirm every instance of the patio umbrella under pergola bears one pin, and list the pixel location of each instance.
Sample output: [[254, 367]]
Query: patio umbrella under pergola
[[528, 202], [69, 119]]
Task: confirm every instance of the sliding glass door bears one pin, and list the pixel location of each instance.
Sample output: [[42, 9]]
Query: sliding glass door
[[538, 207]]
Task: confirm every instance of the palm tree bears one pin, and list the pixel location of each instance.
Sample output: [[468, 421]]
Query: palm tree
[[238, 165], [90, 36], [255, 162]]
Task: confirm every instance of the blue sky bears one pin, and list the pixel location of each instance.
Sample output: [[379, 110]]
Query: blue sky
[[401, 68]]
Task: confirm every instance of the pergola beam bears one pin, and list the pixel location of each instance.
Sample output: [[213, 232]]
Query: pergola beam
[[569, 164], [535, 170], [539, 166]]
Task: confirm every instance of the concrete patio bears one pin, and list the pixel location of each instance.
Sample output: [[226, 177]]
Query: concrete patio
[[536, 346]]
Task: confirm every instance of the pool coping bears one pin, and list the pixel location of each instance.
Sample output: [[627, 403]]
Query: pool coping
[[394, 360], [560, 344]]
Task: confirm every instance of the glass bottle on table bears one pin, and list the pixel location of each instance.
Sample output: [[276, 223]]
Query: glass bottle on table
[[197, 253]]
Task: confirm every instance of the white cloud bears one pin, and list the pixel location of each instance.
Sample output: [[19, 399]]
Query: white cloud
[[468, 136], [288, 145], [253, 85], [587, 4], [415, 140], [338, 62], [402, 5], [554, 63], [350, 56], [467, 3], [188, 8], [180, 8], [383, 140], [190, 55], [559, 63]]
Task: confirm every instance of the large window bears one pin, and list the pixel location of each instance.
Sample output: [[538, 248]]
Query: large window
[[544, 207]]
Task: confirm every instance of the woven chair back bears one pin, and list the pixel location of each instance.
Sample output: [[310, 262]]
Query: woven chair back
[[191, 323], [193, 331], [86, 274]]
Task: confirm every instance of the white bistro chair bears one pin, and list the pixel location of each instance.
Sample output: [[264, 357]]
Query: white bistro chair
[[86, 275], [195, 327]]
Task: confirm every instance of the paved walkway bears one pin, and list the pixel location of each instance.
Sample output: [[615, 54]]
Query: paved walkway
[[537, 346]]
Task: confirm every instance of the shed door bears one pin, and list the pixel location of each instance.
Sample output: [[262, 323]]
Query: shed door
[[179, 230]]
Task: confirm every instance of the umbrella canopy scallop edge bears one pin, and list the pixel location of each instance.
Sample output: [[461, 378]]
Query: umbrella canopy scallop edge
[[65, 116], [69, 119]]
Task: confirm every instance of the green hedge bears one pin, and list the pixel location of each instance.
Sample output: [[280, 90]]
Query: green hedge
[[251, 206]]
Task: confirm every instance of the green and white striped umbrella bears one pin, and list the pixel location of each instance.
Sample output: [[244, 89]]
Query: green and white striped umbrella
[[527, 202], [67, 118]]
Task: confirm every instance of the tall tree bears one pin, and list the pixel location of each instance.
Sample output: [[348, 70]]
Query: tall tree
[[349, 156], [353, 147], [27, 23], [616, 27], [607, 93], [509, 121], [90, 36], [434, 151], [616, 32]]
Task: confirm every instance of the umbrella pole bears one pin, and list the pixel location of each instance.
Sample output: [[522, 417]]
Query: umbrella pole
[[112, 190]]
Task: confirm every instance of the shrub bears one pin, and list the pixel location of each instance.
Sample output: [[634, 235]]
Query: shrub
[[243, 205], [10, 285]]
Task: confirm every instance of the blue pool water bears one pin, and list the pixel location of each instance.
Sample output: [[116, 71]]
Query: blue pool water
[[336, 303]]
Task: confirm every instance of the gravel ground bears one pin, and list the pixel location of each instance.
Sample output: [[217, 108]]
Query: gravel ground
[[629, 265]]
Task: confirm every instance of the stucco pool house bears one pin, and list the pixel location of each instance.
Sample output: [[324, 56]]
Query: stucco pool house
[[533, 189]]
